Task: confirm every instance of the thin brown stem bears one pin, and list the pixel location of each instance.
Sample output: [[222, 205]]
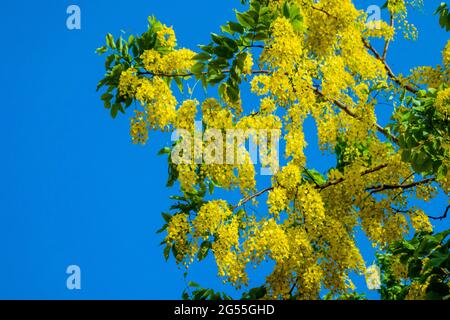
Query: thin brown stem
[[388, 68], [318, 187], [190, 74], [388, 41], [443, 216], [347, 110], [251, 197], [385, 187]]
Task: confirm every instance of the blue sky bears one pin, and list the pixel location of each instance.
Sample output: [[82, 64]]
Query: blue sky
[[73, 189]]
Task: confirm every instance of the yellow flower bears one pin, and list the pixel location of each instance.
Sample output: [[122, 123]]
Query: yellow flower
[[277, 201], [139, 128], [210, 217], [177, 62], [186, 115], [446, 55], [158, 101], [248, 64], [166, 37], [128, 83], [442, 103], [420, 221]]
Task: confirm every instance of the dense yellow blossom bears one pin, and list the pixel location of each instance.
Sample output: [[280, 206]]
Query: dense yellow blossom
[[177, 233], [139, 128], [267, 106], [166, 37], [278, 200], [226, 252], [446, 55], [270, 239], [311, 206], [158, 101], [443, 102], [323, 71], [128, 83], [246, 176], [248, 64], [210, 217], [175, 62], [290, 178], [396, 6], [420, 221], [187, 176], [186, 114], [286, 49], [215, 115]]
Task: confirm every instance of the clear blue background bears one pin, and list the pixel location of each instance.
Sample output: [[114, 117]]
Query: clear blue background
[[73, 189]]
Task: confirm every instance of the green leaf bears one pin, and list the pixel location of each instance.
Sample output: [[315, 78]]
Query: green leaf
[[198, 68], [101, 50], [167, 217], [110, 41], [163, 228], [204, 250], [167, 252], [163, 151], [193, 284], [202, 56]]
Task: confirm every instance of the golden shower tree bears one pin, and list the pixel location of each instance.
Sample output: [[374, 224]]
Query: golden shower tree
[[302, 59]]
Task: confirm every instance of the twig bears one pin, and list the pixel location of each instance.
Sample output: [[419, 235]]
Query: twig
[[384, 187], [251, 197], [388, 68], [318, 187], [346, 109], [190, 74], [443, 216], [388, 41], [338, 181]]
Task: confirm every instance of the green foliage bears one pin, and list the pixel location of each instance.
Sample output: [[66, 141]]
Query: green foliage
[[224, 57], [347, 296], [444, 16], [347, 153], [422, 132], [187, 203], [255, 293], [420, 129], [392, 287], [122, 55], [426, 259], [194, 291]]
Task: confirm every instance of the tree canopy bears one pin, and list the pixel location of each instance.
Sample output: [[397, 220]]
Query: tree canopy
[[301, 59]]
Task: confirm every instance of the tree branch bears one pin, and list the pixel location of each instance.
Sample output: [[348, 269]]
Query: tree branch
[[388, 68], [346, 109], [251, 197], [443, 216], [384, 187], [336, 182], [190, 74], [318, 187], [388, 41], [323, 11]]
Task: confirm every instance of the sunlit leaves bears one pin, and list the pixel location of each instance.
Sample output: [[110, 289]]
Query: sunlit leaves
[[426, 261], [422, 133]]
